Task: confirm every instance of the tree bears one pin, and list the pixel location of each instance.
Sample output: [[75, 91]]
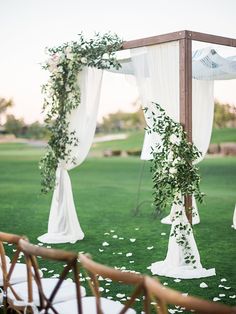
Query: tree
[[37, 131], [224, 115], [15, 126], [123, 121], [4, 105]]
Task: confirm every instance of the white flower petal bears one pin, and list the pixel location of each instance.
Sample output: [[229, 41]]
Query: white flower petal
[[216, 299], [177, 280], [132, 240], [105, 244], [203, 285], [120, 295], [129, 254]]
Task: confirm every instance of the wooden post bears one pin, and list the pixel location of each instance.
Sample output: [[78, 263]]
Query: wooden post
[[185, 85]]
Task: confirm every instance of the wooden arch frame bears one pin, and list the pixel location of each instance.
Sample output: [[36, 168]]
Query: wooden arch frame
[[185, 39]]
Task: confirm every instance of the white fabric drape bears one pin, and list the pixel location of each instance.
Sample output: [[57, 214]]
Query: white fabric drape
[[63, 224], [157, 74], [234, 218], [195, 215], [202, 120], [207, 64], [153, 86], [174, 264]]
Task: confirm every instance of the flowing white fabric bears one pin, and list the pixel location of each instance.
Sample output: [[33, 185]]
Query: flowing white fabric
[[234, 218], [202, 120], [207, 64], [174, 264], [195, 215], [157, 72], [202, 114], [63, 224]]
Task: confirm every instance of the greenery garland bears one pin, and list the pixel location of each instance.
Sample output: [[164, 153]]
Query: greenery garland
[[62, 94], [173, 170], [174, 174]]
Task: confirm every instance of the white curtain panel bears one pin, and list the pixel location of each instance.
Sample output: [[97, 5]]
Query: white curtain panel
[[202, 117], [149, 66], [234, 218], [174, 264], [157, 74], [63, 224], [195, 214]]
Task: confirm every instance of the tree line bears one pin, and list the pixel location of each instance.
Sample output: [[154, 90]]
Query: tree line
[[224, 116]]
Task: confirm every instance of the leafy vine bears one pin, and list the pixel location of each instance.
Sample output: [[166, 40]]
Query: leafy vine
[[62, 94], [173, 169], [174, 173]]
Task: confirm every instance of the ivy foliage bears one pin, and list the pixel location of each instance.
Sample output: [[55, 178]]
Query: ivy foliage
[[174, 174], [173, 170], [62, 94]]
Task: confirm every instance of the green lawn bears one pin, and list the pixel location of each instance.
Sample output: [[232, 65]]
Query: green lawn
[[135, 140], [105, 194], [223, 135]]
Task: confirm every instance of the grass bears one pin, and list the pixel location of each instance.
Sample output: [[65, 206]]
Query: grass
[[135, 140], [223, 135], [105, 193]]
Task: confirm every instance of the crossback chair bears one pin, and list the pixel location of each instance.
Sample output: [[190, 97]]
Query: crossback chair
[[157, 292], [135, 280], [44, 293], [11, 272], [99, 305], [155, 296]]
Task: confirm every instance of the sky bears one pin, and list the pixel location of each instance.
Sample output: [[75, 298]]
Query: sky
[[28, 26]]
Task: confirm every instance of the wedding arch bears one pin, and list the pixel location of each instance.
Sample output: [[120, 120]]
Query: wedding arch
[[158, 63]]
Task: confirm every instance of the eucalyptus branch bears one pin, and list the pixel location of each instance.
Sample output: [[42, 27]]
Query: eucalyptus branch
[[173, 169], [62, 94], [174, 174]]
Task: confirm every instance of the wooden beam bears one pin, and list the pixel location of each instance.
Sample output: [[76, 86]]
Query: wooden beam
[[213, 39], [154, 40], [159, 39], [185, 79]]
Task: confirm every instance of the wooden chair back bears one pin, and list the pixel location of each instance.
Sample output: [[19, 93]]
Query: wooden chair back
[[155, 294], [31, 252], [138, 281], [158, 292], [10, 239]]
